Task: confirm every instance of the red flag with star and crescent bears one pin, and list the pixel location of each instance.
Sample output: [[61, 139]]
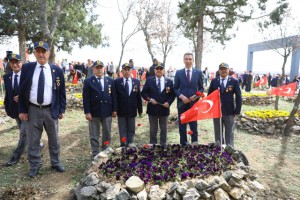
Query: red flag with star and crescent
[[288, 90], [208, 107], [262, 81]]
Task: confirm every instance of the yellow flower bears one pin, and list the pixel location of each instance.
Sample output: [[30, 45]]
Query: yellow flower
[[267, 113], [78, 95]]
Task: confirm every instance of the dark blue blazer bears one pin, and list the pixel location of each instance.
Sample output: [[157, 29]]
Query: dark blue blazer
[[181, 85], [230, 105], [98, 103], [128, 106], [150, 91], [11, 107], [58, 104]]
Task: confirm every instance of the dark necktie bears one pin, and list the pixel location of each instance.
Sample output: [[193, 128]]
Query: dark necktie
[[127, 87], [158, 85], [222, 85], [188, 76], [41, 85], [100, 84], [16, 85]]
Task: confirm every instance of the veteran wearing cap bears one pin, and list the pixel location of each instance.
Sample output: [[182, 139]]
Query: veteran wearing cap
[[158, 90], [231, 104], [42, 101], [11, 82], [129, 104], [100, 105]]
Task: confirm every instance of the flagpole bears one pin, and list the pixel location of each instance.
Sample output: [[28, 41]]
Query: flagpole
[[221, 135]]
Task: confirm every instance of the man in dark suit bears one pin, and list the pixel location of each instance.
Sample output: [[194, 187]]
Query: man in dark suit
[[11, 82], [151, 69], [100, 105], [159, 91], [42, 101], [129, 103], [231, 103], [187, 82]]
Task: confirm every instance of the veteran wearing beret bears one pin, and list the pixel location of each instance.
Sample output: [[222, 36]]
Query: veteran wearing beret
[[231, 104], [158, 90], [42, 101], [100, 105], [129, 104]]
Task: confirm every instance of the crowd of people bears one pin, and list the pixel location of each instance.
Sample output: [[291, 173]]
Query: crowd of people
[[36, 98]]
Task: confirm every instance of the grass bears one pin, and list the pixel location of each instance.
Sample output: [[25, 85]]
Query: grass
[[263, 152]]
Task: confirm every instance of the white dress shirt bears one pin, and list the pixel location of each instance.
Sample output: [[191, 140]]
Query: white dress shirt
[[101, 82], [18, 78], [48, 84], [225, 80], [129, 84]]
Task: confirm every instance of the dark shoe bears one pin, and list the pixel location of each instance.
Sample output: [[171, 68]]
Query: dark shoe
[[33, 172], [59, 168], [9, 163]]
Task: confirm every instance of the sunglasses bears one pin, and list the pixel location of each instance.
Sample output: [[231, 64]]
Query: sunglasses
[[159, 68]]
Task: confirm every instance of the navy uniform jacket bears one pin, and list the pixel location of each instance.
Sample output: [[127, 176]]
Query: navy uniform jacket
[[181, 85], [58, 104], [11, 107], [150, 91], [98, 103], [128, 106], [229, 104]]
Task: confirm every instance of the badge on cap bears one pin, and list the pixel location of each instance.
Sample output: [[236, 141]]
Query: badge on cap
[[41, 43]]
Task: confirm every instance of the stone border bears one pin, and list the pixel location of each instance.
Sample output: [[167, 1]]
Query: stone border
[[258, 101], [237, 183], [269, 126]]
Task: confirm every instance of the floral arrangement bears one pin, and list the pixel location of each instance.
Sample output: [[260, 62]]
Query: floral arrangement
[[1, 102], [255, 95], [71, 84], [156, 164], [78, 95], [267, 113]]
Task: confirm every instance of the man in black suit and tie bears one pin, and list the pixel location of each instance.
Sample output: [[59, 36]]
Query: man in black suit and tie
[[231, 103], [11, 82], [100, 105], [187, 82], [42, 101], [159, 91], [129, 103]]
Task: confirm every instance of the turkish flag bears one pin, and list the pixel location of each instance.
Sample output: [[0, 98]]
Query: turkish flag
[[285, 90], [262, 81], [208, 107], [75, 79]]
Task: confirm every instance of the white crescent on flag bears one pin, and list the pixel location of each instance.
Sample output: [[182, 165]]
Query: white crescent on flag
[[210, 104], [289, 89], [182, 116]]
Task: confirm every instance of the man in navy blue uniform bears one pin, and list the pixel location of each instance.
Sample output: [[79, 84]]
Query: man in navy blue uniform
[[158, 90], [231, 103], [187, 82], [100, 105], [11, 82], [42, 101], [129, 103]]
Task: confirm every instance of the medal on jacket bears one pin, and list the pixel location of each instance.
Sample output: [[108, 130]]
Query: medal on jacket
[[109, 89]]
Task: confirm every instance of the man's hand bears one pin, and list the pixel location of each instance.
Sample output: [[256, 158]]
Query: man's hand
[[114, 114], [184, 99], [16, 98], [88, 116], [166, 105], [61, 115], [153, 101], [23, 116]]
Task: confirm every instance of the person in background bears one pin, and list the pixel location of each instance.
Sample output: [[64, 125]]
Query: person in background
[[249, 80], [151, 69], [42, 101], [100, 105], [129, 104], [206, 75], [158, 91], [187, 82], [269, 79], [231, 104]]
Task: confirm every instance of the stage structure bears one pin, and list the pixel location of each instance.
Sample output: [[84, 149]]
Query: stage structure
[[292, 41]]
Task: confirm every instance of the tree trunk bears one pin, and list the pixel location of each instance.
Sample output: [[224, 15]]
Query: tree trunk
[[199, 50], [279, 82], [119, 66], [276, 102], [290, 120], [22, 38], [52, 55]]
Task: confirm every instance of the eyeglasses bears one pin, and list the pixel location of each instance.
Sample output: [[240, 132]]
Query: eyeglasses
[[13, 63], [159, 68]]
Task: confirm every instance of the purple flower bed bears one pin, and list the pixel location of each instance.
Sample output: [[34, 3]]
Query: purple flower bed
[[158, 164]]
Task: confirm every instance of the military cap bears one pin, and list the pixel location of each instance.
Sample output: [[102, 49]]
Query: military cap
[[126, 65], [41, 44], [98, 63], [159, 65], [223, 65], [15, 57]]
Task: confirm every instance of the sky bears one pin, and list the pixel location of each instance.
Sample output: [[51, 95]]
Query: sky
[[234, 52]]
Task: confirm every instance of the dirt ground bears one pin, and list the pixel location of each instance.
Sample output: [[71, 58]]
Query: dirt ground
[[281, 177]]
